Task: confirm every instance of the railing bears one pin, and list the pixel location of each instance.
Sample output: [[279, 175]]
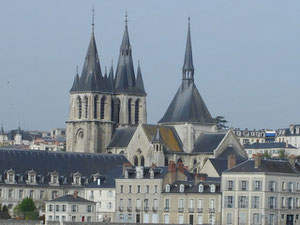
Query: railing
[[154, 208], [121, 208], [199, 210], [191, 210], [211, 210], [180, 209], [146, 208], [137, 209], [167, 209], [129, 209]]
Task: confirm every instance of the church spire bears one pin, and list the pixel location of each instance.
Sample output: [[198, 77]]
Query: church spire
[[139, 79], [188, 67], [111, 74], [2, 130], [125, 77]]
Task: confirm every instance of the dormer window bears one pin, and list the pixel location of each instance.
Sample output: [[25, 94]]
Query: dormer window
[[181, 188], [31, 177], [168, 188], [77, 180], [139, 172], [212, 188], [200, 188], [54, 179], [126, 174], [11, 176], [151, 174]]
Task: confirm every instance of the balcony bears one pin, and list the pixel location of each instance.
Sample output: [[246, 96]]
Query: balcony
[[154, 209], [121, 208], [199, 210], [146, 208], [191, 210], [129, 209], [211, 210], [180, 209], [166, 209], [138, 208]]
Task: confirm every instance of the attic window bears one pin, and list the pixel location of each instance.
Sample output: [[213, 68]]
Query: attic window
[[168, 188], [10, 177], [212, 188], [126, 174], [200, 188], [32, 178], [151, 174], [181, 188]]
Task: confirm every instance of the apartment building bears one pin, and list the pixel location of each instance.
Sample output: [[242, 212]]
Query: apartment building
[[261, 191]]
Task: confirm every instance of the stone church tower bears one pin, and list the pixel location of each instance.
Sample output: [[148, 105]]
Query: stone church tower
[[99, 104]]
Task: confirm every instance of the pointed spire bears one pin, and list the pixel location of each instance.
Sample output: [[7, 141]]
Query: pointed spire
[[19, 129], [139, 79], [111, 74], [188, 67], [125, 77], [2, 130], [105, 74], [157, 137], [76, 81], [93, 20]]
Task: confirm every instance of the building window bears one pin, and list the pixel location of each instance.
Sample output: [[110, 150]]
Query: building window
[[229, 202], [167, 204], [283, 186], [147, 189], [255, 202], [200, 188], [271, 219], [122, 187], [272, 202], [282, 202], [89, 208], [54, 179], [89, 219], [57, 208], [181, 188], [10, 178], [63, 208], [74, 208], [212, 188], [244, 185], [138, 203], [130, 203], [180, 219], [95, 106], [130, 218], [166, 218], [229, 218], [63, 218], [79, 107], [130, 189], [102, 108], [257, 185], [290, 187], [86, 102], [129, 110], [31, 194], [230, 185], [21, 194], [109, 194], [139, 189], [73, 219], [32, 178], [167, 188], [50, 218], [10, 193], [50, 208], [212, 205], [243, 202], [137, 111], [256, 218], [109, 205], [272, 186], [290, 203], [181, 205], [200, 205], [41, 194], [155, 189]]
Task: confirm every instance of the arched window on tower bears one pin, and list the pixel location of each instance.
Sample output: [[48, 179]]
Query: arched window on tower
[[79, 107], [118, 107], [194, 163], [95, 106], [135, 161], [142, 161], [129, 110], [102, 107], [86, 102], [112, 110], [137, 111]]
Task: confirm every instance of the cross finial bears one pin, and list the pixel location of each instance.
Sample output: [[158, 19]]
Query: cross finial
[[93, 19], [126, 18]]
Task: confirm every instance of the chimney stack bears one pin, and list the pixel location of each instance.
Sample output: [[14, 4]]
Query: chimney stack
[[200, 177], [181, 167], [126, 165], [257, 160], [231, 161], [75, 194], [172, 171]]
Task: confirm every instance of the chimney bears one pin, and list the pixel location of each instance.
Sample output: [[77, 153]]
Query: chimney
[[257, 160], [231, 161], [200, 177], [181, 167], [172, 171], [126, 165], [75, 194], [292, 160]]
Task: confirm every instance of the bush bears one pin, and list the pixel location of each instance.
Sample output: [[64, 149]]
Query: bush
[[4, 214]]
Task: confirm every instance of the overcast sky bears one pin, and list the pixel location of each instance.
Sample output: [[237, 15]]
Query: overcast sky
[[246, 56]]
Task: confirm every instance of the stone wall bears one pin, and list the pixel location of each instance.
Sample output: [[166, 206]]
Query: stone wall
[[20, 222]]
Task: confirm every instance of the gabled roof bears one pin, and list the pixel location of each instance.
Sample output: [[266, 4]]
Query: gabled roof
[[221, 164], [269, 145], [122, 137], [168, 134], [267, 166], [231, 150], [208, 142], [71, 198]]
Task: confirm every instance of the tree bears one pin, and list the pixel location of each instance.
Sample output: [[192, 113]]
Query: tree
[[221, 122], [283, 154], [267, 155], [27, 209]]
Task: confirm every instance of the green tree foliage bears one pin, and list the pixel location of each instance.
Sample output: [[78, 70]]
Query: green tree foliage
[[283, 154], [267, 155], [221, 122], [27, 205], [27, 210]]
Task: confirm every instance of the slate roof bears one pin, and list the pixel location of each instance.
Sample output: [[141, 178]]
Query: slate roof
[[25, 135], [108, 180], [122, 137], [191, 187], [208, 142], [221, 164], [71, 198], [267, 166], [159, 173], [231, 150], [64, 163], [168, 134], [268, 145]]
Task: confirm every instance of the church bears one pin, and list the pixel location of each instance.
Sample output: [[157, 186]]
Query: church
[[108, 115]]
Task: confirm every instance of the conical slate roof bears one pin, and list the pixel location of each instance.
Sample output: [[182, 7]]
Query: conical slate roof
[[125, 77], [111, 75], [187, 106], [157, 137], [139, 80]]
